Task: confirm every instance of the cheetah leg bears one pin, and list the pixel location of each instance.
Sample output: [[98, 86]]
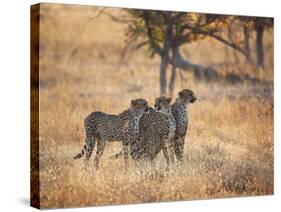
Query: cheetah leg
[[126, 155], [91, 146], [166, 155], [171, 153], [100, 149], [178, 148]]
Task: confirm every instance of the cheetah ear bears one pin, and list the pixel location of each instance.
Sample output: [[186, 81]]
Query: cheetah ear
[[180, 94], [169, 99]]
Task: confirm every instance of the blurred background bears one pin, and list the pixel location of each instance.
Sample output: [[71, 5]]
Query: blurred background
[[211, 48]]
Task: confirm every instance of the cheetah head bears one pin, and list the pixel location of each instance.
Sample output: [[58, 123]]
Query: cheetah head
[[162, 104], [187, 96], [139, 106]]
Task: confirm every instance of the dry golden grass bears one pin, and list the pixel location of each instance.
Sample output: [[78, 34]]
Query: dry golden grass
[[229, 146]]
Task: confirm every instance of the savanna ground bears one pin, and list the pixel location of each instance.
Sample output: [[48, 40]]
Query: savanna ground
[[229, 146]]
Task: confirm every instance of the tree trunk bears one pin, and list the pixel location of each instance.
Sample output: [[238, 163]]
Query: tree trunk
[[165, 55], [259, 45], [173, 75], [230, 37], [247, 44], [174, 68], [163, 68]]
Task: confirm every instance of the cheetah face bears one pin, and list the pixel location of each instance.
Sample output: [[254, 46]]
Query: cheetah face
[[140, 106], [187, 96], [163, 104]]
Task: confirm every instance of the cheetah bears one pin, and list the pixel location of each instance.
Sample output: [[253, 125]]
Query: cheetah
[[102, 127], [157, 129], [179, 110]]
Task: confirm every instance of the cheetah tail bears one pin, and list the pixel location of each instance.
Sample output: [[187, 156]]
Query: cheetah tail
[[80, 155], [116, 156]]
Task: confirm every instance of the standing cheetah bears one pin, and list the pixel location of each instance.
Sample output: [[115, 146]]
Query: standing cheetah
[[179, 109], [101, 127], [157, 129]]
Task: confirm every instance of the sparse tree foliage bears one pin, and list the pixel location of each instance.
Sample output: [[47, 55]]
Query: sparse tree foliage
[[165, 32]]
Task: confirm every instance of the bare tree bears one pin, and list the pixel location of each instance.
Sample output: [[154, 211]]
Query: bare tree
[[165, 32]]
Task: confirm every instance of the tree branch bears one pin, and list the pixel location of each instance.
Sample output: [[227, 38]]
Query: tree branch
[[197, 30], [142, 44], [222, 40], [115, 18]]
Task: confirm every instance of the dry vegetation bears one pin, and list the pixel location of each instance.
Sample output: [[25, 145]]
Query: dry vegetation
[[229, 146]]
